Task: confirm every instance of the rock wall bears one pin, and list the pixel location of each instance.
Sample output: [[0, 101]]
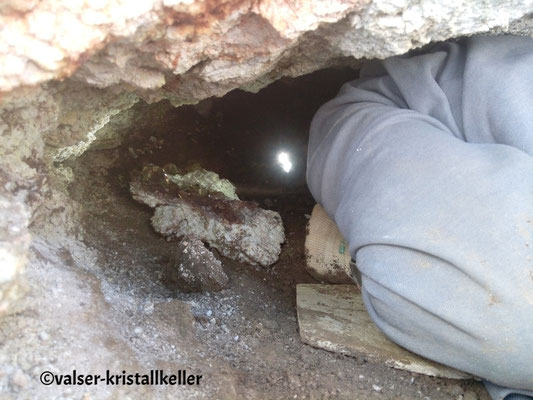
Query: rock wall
[[194, 49], [115, 53], [69, 68]]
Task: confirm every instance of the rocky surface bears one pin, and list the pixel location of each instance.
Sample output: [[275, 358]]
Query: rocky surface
[[194, 268], [252, 235], [206, 181], [194, 49]]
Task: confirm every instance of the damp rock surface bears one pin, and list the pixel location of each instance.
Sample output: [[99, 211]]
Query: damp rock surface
[[194, 268]]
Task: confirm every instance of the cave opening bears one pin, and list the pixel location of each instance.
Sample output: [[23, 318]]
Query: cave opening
[[258, 141], [240, 136], [105, 292], [244, 335]]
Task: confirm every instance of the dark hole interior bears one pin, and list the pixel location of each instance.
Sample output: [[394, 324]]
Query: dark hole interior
[[240, 135], [237, 136]]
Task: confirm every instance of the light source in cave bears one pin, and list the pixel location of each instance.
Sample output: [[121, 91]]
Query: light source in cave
[[284, 161]]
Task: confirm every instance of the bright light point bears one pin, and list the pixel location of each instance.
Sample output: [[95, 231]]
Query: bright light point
[[283, 158], [284, 161]]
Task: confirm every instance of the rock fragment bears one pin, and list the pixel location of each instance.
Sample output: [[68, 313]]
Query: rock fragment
[[195, 269], [207, 181], [239, 230]]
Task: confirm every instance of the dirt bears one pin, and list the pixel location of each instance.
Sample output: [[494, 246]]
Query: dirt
[[98, 300]]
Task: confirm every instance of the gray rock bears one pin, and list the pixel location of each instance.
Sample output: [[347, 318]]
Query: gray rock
[[143, 56], [195, 269], [239, 230]]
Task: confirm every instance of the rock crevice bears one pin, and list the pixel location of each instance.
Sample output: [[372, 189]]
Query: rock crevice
[[72, 72]]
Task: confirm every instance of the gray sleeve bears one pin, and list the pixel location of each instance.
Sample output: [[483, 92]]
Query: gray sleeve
[[432, 187]]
